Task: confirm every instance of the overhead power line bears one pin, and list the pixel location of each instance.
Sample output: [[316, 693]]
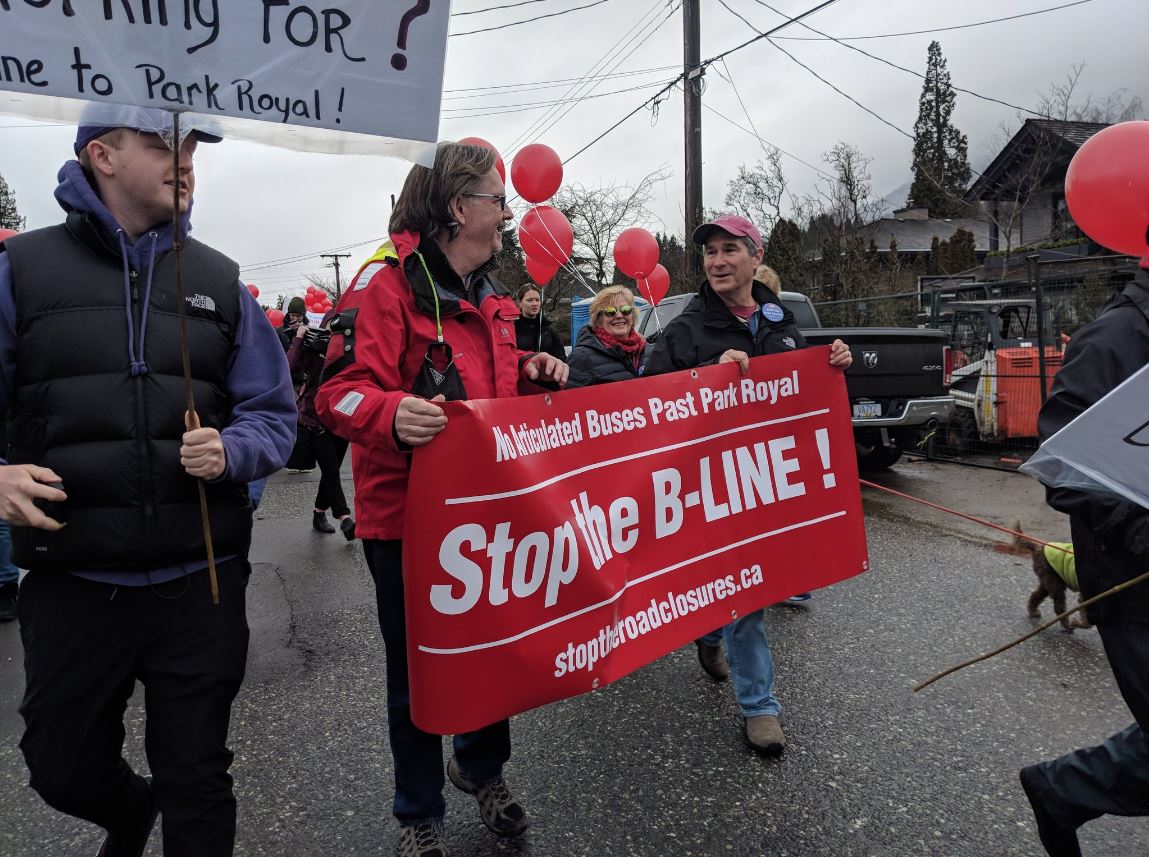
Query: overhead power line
[[654, 99], [615, 50], [495, 8], [529, 20], [936, 29], [288, 260], [530, 86], [917, 74], [498, 109], [726, 118]]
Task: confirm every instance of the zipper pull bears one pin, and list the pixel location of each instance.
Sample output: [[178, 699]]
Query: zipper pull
[[134, 277]]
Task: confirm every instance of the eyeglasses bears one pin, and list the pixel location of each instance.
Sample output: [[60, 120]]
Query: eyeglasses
[[611, 311], [501, 197]]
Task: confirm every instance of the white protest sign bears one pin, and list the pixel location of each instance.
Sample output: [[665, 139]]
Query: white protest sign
[[1105, 449], [369, 67]]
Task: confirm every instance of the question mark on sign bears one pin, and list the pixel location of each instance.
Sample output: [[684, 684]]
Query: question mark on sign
[[398, 60]]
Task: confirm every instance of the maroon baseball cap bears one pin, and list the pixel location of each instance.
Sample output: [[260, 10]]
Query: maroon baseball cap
[[734, 224]]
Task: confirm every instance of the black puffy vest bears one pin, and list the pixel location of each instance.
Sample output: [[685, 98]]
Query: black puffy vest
[[112, 437]]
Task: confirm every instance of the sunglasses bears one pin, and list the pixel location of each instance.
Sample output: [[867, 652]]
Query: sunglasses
[[611, 311], [501, 197]]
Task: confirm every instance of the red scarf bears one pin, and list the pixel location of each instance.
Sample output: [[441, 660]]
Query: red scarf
[[632, 345]]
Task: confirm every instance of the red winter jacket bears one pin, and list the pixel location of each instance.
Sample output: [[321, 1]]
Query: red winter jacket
[[394, 326]]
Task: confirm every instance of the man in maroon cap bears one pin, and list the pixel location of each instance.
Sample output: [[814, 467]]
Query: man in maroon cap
[[730, 320]]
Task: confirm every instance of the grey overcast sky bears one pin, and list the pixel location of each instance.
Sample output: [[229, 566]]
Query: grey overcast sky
[[263, 205]]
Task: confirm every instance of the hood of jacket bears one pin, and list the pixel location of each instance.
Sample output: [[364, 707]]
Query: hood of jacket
[[419, 257], [90, 221], [76, 195]]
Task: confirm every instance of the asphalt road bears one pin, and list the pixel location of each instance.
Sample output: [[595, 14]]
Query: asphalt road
[[654, 764]]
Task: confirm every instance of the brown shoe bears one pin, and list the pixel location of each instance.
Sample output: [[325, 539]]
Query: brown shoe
[[764, 733], [713, 661]]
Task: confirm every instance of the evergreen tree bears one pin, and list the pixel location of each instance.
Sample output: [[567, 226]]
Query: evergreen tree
[[672, 256], [962, 253], [935, 264], [941, 164], [784, 254], [9, 217]]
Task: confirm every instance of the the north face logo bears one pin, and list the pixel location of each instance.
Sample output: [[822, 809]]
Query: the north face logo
[[202, 302], [789, 342]]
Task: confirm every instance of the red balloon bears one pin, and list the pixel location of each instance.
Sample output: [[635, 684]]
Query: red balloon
[[479, 141], [254, 291], [1107, 187], [541, 271], [654, 287], [5, 234], [635, 252], [536, 172], [545, 235], [275, 316]]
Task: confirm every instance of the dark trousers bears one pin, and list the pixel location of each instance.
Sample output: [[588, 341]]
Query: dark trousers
[[418, 755], [1113, 778], [85, 645], [329, 451]]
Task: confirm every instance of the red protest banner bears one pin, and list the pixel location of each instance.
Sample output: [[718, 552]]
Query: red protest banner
[[556, 543]]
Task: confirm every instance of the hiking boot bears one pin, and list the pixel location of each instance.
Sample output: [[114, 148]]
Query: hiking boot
[[9, 593], [800, 598], [347, 527], [423, 839], [1060, 840], [498, 808], [320, 523], [131, 846], [764, 733], [713, 661]]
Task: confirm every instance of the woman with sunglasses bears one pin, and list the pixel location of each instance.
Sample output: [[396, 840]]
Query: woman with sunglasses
[[608, 348]]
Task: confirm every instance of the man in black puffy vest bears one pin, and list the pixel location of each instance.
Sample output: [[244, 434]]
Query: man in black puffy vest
[[94, 401]]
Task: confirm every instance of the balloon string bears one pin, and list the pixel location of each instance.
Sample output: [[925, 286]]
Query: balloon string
[[567, 265]]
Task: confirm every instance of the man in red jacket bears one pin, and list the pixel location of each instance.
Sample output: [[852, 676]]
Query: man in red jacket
[[430, 324]]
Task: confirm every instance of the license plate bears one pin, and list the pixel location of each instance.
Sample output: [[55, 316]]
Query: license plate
[[867, 410]]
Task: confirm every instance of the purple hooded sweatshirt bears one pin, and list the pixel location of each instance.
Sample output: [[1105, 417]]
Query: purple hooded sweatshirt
[[261, 433]]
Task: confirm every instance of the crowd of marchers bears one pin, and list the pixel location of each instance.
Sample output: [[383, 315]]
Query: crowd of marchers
[[107, 468]]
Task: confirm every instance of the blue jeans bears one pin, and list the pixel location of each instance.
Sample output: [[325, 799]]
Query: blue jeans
[[418, 755], [8, 572], [255, 491], [750, 662]]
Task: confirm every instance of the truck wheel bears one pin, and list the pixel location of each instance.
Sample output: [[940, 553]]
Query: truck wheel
[[876, 457], [961, 431]]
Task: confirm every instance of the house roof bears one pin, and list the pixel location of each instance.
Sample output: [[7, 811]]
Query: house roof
[[1062, 138], [916, 235]]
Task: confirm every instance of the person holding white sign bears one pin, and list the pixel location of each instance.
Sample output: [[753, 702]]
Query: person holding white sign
[[427, 324], [101, 485], [1111, 545], [731, 319]]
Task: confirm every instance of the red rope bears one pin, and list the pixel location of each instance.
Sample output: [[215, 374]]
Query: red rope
[[1023, 536]]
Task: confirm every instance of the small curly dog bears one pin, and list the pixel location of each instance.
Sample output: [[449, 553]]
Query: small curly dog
[[1056, 571]]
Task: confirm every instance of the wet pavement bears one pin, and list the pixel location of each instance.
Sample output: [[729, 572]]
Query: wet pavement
[[655, 764]]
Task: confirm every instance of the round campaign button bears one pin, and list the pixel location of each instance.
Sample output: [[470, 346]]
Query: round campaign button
[[772, 312]]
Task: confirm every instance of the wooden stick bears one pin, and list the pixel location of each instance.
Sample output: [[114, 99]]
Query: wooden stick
[[191, 419], [1112, 591]]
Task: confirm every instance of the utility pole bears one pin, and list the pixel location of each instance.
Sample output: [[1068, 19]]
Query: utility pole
[[692, 87], [336, 257]]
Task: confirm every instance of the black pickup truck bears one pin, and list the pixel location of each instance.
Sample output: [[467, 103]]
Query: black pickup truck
[[897, 383]]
